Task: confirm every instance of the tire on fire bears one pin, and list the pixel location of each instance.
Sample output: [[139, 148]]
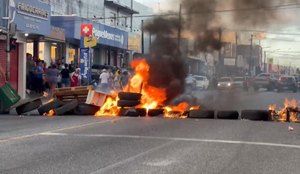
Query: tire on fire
[[29, 106], [141, 111], [129, 96], [128, 103], [230, 115], [155, 112], [255, 115], [66, 108], [51, 105], [86, 109], [205, 114]]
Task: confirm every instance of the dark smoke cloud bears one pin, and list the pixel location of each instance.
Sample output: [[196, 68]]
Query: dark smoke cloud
[[167, 67]]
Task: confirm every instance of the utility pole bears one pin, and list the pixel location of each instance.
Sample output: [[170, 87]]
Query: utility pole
[[143, 48], [131, 17], [236, 49], [250, 58], [265, 65], [8, 42], [221, 61], [179, 28]]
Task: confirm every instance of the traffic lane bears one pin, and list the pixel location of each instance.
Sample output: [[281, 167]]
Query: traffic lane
[[232, 130], [195, 158], [15, 126], [241, 100], [70, 151], [69, 154]]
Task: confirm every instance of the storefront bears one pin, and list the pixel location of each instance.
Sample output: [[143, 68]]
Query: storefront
[[33, 25], [112, 42]]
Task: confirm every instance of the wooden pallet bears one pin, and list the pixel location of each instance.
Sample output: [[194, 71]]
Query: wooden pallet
[[70, 93]]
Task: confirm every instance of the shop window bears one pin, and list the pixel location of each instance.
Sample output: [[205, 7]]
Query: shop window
[[29, 48], [72, 54], [53, 53], [42, 51]]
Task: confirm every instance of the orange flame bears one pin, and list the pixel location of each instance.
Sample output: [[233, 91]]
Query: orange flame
[[51, 113], [109, 108], [282, 113]]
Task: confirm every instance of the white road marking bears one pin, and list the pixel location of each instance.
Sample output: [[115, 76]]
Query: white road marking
[[132, 158], [160, 163], [55, 130], [178, 139]]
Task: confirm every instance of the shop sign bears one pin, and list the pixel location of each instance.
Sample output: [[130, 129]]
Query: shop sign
[[134, 42], [58, 34], [32, 16], [86, 30], [111, 36], [88, 42]]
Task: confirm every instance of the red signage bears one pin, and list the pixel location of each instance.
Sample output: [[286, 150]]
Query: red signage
[[86, 30]]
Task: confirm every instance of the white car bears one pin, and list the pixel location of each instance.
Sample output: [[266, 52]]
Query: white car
[[238, 82], [225, 83], [201, 82]]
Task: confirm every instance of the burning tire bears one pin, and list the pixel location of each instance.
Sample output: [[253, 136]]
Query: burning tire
[[155, 112], [68, 107], [141, 111], [86, 109], [51, 105], [208, 114], [128, 103], [131, 113], [130, 96], [255, 115], [27, 107], [231, 115]]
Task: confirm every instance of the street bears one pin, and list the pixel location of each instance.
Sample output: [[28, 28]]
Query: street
[[72, 144]]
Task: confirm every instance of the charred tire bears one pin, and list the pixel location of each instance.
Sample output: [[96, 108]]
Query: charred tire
[[66, 108], [130, 96], [86, 109], [230, 115], [131, 113], [30, 106], [141, 111], [155, 112], [52, 105], [128, 103], [255, 115], [206, 114]]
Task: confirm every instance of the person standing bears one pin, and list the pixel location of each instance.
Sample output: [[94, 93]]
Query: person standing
[[52, 77], [117, 80], [65, 76], [75, 78], [104, 80], [30, 67], [39, 78]]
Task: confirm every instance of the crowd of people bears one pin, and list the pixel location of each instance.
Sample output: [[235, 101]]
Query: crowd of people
[[41, 77]]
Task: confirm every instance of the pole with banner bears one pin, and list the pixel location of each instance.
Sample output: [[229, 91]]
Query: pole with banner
[[86, 52]]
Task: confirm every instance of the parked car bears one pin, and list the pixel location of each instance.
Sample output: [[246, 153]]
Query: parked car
[[238, 82], [201, 82], [264, 80], [225, 83], [287, 83]]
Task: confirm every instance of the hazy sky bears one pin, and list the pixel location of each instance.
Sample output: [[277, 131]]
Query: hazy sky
[[284, 48]]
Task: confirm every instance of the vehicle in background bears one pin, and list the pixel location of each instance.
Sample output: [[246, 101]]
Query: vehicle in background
[[238, 82], [264, 80], [201, 82], [225, 83], [287, 83], [190, 82]]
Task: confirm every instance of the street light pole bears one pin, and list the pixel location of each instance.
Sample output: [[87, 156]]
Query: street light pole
[[8, 42], [250, 58]]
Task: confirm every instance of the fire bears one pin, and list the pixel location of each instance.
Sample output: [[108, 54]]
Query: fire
[[290, 107], [152, 97], [51, 113]]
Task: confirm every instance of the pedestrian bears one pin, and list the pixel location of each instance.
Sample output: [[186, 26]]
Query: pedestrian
[[30, 67], [104, 80], [110, 79], [117, 80], [65, 76], [124, 78], [52, 78], [75, 78], [39, 71]]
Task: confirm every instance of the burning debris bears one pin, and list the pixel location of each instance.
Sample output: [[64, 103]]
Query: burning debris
[[289, 113]]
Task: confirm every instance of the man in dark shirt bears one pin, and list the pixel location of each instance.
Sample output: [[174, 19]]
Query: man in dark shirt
[[65, 76]]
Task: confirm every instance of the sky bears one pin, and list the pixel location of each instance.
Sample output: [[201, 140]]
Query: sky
[[281, 42]]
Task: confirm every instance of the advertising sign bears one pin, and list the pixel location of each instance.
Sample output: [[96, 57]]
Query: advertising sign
[[88, 42], [86, 58], [86, 30], [32, 16]]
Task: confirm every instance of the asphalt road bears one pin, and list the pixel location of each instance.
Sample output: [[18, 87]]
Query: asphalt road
[[240, 100], [91, 145]]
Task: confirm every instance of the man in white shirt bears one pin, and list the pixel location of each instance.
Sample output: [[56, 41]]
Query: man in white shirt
[[104, 79]]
